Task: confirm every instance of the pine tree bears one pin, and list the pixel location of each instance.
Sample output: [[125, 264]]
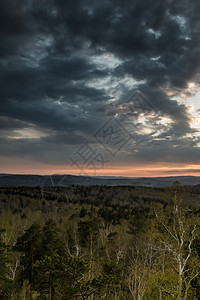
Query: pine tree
[[29, 244]]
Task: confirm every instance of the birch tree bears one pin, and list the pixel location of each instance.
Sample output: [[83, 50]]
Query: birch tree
[[178, 228]]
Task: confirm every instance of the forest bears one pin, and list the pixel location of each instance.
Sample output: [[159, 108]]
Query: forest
[[100, 242]]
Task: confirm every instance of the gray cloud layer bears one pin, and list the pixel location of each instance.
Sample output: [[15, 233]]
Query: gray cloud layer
[[64, 63]]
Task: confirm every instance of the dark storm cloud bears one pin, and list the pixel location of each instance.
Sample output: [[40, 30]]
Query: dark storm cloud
[[10, 124], [52, 70], [15, 27], [51, 79]]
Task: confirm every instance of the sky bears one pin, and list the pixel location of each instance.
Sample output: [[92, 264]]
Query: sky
[[100, 87]]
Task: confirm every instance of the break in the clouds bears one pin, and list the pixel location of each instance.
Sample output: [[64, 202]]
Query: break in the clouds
[[66, 67]]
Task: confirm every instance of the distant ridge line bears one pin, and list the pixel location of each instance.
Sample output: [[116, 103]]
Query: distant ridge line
[[68, 180]]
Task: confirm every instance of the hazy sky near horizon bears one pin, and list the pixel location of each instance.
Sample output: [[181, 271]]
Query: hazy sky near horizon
[[100, 87]]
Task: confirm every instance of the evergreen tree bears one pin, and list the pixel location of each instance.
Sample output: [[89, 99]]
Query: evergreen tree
[[50, 238], [29, 244]]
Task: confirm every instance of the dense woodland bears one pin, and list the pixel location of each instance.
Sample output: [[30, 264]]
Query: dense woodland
[[100, 243]]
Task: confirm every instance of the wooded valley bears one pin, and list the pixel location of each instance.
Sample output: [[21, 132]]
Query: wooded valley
[[100, 242]]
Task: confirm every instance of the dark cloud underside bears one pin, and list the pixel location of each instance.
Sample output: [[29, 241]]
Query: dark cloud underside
[[67, 66]]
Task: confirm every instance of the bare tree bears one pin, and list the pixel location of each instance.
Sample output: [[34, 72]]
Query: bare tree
[[179, 229]]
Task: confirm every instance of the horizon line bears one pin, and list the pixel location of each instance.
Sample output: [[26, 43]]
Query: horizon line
[[99, 176]]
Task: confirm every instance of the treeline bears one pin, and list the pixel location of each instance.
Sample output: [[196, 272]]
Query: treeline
[[99, 243]]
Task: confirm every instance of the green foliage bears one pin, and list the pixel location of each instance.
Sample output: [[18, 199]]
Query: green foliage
[[138, 223], [88, 230], [50, 238], [108, 282], [60, 275], [105, 243], [29, 244]]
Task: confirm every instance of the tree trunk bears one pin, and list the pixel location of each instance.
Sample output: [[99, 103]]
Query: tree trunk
[[31, 276], [50, 290]]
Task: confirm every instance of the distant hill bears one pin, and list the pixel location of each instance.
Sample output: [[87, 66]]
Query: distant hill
[[67, 180]]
